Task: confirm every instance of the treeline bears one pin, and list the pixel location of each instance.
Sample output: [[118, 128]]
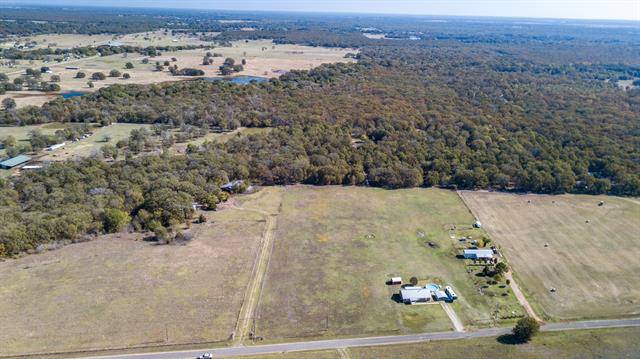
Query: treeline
[[85, 51], [68, 201]]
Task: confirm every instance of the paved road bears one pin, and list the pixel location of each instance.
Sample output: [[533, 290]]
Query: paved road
[[371, 341]]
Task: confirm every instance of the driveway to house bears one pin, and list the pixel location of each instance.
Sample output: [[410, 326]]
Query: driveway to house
[[457, 323], [370, 341]]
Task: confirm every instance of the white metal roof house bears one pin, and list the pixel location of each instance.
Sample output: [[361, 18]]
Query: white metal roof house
[[56, 146], [478, 253], [415, 294]]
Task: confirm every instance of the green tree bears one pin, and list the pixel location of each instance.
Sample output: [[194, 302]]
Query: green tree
[[98, 76], [128, 66], [9, 141], [413, 281], [114, 220], [9, 103], [501, 268], [80, 75], [525, 329], [114, 73]]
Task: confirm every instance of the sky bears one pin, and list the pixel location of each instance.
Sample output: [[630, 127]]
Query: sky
[[571, 9]]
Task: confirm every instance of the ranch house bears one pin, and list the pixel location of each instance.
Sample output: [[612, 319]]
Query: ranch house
[[412, 295], [478, 254]]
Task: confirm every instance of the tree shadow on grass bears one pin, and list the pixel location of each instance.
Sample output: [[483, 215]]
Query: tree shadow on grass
[[509, 339]]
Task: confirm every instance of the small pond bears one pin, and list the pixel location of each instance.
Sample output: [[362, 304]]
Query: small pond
[[71, 94], [238, 80]]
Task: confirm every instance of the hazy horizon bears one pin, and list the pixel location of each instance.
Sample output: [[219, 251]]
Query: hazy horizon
[[566, 9]]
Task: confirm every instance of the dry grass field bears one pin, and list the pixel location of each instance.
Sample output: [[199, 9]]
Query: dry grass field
[[577, 344], [336, 246], [68, 41], [119, 291], [592, 265], [264, 58]]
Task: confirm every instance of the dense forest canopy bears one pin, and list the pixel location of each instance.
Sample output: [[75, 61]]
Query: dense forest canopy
[[468, 104]]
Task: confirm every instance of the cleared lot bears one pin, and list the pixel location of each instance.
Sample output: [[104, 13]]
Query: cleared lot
[[336, 246], [585, 251], [91, 145], [263, 58], [118, 292]]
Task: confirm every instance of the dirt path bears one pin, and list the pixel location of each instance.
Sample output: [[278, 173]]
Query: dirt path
[[246, 317], [457, 323], [521, 298]]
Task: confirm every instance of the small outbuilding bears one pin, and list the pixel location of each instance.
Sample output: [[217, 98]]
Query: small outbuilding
[[477, 254], [234, 186], [31, 167], [395, 280], [477, 224], [15, 161], [440, 295]]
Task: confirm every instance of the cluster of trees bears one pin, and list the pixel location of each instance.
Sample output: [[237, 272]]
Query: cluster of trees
[[186, 72], [229, 66], [32, 80]]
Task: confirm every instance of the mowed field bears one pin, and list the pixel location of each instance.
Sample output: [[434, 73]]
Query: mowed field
[[21, 133], [91, 145], [336, 246], [264, 58], [592, 257], [575, 344], [121, 291]]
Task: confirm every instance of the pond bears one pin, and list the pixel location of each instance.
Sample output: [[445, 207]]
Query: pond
[[71, 94], [238, 80]]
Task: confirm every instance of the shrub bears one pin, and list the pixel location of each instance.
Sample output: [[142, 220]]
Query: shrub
[[98, 76], [114, 220]]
